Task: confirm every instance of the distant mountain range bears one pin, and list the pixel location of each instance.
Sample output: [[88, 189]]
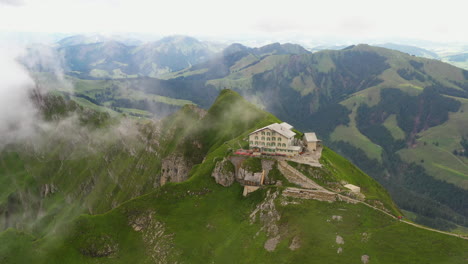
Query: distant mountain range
[[99, 57]]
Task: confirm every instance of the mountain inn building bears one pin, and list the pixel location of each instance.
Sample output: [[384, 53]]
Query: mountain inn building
[[279, 139]]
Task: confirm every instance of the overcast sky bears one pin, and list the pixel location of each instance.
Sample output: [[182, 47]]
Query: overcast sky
[[442, 21]]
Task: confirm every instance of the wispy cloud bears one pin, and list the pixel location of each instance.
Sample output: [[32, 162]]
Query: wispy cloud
[[17, 112], [12, 2]]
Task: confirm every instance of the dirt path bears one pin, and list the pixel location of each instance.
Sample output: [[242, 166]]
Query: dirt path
[[330, 196], [296, 177]]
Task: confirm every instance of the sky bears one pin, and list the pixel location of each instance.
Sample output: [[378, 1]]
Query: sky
[[440, 21]]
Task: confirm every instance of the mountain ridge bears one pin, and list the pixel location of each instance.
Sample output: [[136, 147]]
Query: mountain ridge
[[198, 220]]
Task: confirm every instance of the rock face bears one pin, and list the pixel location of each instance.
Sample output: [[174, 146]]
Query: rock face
[[159, 244], [175, 168], [248, 176], [99, 246], [224, 173], [269, 217], [48, 189]]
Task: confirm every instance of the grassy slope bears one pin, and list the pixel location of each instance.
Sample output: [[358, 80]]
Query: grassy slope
[[439, 160], [201, 221], [214, 226], [91, 170]]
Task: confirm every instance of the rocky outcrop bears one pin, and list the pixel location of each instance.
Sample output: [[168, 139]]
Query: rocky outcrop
[[269, 217], [224, 173], [99, 246], [248, 176], [175, 168], [48, 189], [159, 244], [201, 113]]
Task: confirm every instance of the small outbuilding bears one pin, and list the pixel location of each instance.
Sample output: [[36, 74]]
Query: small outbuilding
[[353, 188], [311, 142]]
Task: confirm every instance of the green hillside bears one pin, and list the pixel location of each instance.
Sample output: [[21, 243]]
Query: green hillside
[[199, 221]]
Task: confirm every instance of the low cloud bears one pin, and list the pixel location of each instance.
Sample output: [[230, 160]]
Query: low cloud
[[12, 2], [18, 114]]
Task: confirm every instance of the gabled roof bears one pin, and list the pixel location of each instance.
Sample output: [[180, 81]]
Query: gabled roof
[[283, 129], [311, 137]]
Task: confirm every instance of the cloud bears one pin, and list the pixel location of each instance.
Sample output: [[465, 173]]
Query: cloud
[[12, 2], [17, 113]]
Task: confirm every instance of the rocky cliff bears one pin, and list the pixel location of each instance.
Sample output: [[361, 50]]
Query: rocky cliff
[[175, 168]]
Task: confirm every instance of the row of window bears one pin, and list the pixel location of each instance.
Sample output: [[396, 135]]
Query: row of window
[[268, 139], [268, 133], [272, 144]]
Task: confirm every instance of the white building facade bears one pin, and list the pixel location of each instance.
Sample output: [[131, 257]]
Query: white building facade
[[274, 139]]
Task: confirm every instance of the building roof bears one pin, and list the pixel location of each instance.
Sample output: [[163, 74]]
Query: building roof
[[353, 188], [296, 148], [283, 129], [311, 137], [286, 125]]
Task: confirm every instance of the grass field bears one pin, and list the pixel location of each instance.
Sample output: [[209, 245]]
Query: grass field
[[353, 136]]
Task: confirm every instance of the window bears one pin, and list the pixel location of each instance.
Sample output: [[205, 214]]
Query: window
[[263, 132], [273, 144], [268, 139], [263, 138], [279, 139], [273, 138], [256, 142], [284, 145], [268, 144], [263, 143], [268, 133], [273, 133], [256, 137]]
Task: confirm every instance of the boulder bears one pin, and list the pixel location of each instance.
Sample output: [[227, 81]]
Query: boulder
[[224, 173]]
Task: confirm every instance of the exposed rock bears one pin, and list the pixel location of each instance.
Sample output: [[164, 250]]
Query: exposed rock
[[339, 240], [158, 244], [295, 243], [270, 244], [175, 168], [99, 246], [337, 217], [224, 173], [48, 189], [245, 175], [365, 259], [365, 237], [199, 111], [269, 217], [267, 165], [339, 251]]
